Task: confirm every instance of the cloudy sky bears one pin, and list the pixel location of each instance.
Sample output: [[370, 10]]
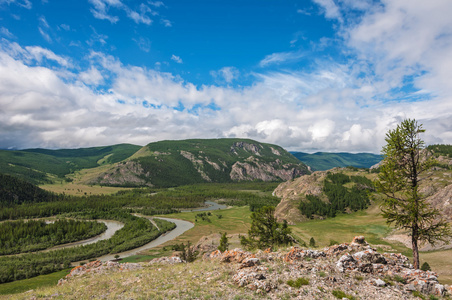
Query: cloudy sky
[[320, 75]]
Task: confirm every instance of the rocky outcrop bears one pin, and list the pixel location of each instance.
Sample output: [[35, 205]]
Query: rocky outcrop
[[127, 173], [99, 267], [253, 168], [291, 193], [356, 268], [248, 147]]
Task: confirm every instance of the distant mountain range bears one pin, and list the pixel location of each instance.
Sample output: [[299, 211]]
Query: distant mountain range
[[161, 164], [322, 161]]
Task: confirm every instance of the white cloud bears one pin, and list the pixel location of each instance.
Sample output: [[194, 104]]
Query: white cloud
[[5, 32], [101, 8], [143, 43], [226, 74], [346, 106], [176, 59], [330, 8], [24, 3], [281, 57], [91, 77]]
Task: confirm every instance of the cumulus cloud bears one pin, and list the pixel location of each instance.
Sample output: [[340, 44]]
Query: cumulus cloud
[[334, 106]]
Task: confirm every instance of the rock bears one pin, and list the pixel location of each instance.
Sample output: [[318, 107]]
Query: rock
[[359, 241], [378, 282], [236, 255], [370, 256], [250, 262], [346, 262], [166, 260]]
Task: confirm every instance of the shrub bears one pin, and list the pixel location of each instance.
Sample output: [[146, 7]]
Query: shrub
[[298, 283]]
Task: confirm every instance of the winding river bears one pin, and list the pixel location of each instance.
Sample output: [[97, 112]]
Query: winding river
[[181, 227], [113, 226]]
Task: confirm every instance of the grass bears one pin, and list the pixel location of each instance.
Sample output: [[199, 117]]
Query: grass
[[78, 189], [24, 285], [233, 220]]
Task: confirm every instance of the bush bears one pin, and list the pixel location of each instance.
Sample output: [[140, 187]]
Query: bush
[[298, 283], [425, 267]]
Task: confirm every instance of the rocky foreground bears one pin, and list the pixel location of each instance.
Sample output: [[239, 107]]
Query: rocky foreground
[[346, 271]]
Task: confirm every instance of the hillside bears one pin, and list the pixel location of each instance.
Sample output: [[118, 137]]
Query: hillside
[[322, 161], [308, 189], [172, 163], [17, 191], [345, 271], [44, 166]]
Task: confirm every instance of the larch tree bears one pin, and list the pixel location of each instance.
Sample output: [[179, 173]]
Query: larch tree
[[405, 165]]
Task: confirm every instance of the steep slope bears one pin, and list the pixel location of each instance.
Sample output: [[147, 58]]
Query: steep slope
[[324, 194], [42, 165], [17, 191], [172, 163], [322, 161]]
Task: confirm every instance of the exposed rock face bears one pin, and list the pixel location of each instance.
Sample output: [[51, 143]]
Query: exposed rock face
[[254, 169], [252, 148], [126, 173], [290, 193]]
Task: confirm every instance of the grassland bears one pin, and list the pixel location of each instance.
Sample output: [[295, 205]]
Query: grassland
[[41, 281]]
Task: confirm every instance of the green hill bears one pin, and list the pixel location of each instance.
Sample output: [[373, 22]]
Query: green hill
[[322, 161], [172, 163], [17, 191], [43, 165]]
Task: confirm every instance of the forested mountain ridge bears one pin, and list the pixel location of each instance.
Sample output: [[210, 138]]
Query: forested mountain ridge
[[17, 191], [172, 163], [322, 161], [45, 166]]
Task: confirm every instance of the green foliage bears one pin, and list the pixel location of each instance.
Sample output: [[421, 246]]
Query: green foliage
[[445, 150], [425, 267], [399, 177], [136, 232], [17, 191], [298, 283], [265, 231], [333, 242], [341, 295], [187, 252], [322, 161], [20, 236], [312, 242], [340, 197], [224, 243]]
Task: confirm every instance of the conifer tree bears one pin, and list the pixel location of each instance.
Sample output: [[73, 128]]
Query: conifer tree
[[402, 170]]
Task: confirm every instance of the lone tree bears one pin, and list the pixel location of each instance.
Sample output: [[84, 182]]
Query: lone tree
[[401, 172], [265, 231], [224, 243]]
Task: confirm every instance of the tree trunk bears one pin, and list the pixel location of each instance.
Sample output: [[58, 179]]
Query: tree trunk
[[415, 251]]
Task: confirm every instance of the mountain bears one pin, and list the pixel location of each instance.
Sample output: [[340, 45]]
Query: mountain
[[322, 161], [172, 163], [44, 165]]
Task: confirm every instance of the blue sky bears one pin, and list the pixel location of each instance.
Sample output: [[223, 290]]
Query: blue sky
[[321, 75]]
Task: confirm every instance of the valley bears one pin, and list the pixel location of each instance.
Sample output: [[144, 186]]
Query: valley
[[256, 178]]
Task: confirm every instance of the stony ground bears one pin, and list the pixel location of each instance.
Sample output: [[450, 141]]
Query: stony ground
[[346, 271]]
